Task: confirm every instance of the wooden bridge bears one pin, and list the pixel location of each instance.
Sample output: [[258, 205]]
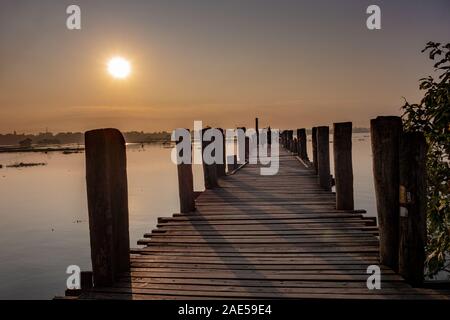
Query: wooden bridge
[[250, 237]]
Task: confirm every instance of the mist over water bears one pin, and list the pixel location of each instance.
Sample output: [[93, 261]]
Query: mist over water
[[44, 221]]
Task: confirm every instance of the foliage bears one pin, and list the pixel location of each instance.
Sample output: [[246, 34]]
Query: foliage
[[432, 116]]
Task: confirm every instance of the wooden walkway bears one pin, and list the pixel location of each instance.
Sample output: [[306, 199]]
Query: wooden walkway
[[261, 237]]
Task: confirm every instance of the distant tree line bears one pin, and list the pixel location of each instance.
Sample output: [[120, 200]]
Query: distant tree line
[[48, 138], [354, 130]]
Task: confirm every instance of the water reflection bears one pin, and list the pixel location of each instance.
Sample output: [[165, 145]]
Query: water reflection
[[44, 225]]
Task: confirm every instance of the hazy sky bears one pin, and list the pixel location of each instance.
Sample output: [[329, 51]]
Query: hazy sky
[[293, 63]]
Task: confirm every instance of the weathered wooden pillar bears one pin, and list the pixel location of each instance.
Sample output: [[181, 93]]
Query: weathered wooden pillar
[[232, 163], [247, 145], [106, 179], [185, 183], [247, 149], [301, 137], [343, 168], [385, 132], [295, 146], [257, 132], [209, 170], [286, 139], [314, 148], [241, 146], [323, 157], [290, 139], [86, 280], [413, 202], [221, 166]]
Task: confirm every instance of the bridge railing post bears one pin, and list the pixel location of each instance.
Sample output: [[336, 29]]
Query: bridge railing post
[[209, 170], [246, 145], [314, 149], [302, 146], [323, 157], [413, 201], [284, 139], [247, 148], [385, 134], [291, 139], [106, 181], [185, 183], [257, 132], [343, 168], [221, 166], [295, 146], [232, 162]]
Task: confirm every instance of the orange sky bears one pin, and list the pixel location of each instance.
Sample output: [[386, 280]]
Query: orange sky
[[292, 63]]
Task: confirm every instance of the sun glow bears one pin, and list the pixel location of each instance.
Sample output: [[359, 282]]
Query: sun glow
[[119, 67]]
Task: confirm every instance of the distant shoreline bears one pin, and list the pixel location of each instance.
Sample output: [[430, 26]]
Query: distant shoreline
[[48, 139], [64, 149], [77, 147]]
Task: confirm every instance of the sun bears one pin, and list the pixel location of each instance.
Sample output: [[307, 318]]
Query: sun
[[119, 68]]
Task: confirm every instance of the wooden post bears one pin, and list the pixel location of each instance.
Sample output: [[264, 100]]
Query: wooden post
[[290, 139], [385, 132], [301, 137], [232, 163], [343, 168], [209, 170], [221, 166], [314, 149], [323, 157], [295, 146], [247, 145], [185, 184], [257, 132], [241, 153], [284, 138], [247, 149], [413, 200], [106, 178], [86, 282]]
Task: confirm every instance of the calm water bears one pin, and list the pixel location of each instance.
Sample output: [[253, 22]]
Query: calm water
[[43, 211]]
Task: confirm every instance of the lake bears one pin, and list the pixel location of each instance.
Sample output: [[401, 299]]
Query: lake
[[44, 221]]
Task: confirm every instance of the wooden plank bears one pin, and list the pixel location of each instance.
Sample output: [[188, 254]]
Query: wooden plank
[[250, 233], [261, 216], [264, 241], [254, 249], [273, 227], [272, 289], [248, 284], [311, 268], [239, 260], [259, 274]]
